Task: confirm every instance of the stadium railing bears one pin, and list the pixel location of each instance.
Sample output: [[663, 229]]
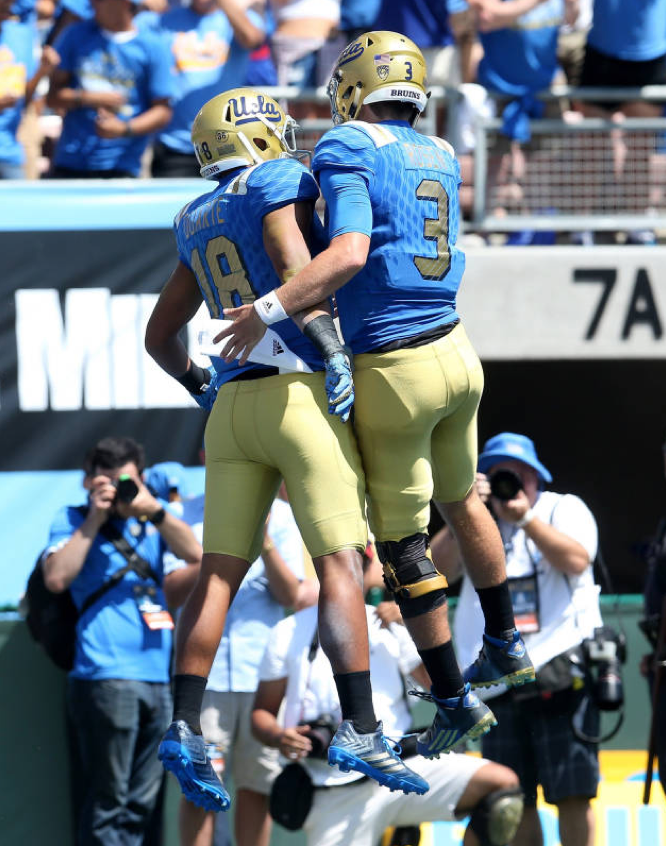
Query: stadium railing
[[566, 179]]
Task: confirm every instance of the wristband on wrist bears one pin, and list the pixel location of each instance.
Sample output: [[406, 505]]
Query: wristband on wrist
[[527, 517], [269, 308], [158, 517], [195, 380], [128, 130]]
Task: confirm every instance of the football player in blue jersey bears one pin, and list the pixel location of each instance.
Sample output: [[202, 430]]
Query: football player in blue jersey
[[237, 243], [392, 209]]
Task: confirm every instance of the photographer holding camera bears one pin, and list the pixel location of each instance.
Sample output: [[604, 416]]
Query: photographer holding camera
[[118, 694], [336, 808], [550, 541]]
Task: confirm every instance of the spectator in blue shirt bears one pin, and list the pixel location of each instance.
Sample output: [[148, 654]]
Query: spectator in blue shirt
[[210, 43], [626, 48], [519, 39], [118, 692], [357, 17], [18, 80], [444, 31], [114, 85]]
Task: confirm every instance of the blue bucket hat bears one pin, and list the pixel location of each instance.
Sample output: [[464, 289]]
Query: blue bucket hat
[[507, 446], [165, 477]]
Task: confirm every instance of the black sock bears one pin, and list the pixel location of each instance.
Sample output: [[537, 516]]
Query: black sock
[[188, 694], [497, 610], [355, 695], [443, 669]]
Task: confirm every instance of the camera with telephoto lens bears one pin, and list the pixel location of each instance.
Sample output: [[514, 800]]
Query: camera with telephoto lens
[[505, 484], [126, 488], [605, 653], [321, 733]]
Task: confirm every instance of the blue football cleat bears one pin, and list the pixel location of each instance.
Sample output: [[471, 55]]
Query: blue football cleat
[[372, 755], [501, 662], [183, 753], [457, 719]]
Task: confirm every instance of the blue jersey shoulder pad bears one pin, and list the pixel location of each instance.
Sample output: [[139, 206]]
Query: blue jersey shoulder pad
[[352, 146], [276, 183]]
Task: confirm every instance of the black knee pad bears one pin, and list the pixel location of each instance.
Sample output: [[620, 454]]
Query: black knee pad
[[411, 576], [496, 818]]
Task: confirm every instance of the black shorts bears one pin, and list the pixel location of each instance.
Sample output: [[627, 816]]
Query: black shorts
[[535, 738], [170, 163], [602, 71]]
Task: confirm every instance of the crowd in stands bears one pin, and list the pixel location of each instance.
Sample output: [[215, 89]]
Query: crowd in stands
[[105, 89]]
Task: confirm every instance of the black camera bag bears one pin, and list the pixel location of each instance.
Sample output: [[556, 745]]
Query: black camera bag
[[291, 797], [51, 619]]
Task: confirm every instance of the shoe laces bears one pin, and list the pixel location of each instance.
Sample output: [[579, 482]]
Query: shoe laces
[[421, 694], [429, 696], [396, 747]]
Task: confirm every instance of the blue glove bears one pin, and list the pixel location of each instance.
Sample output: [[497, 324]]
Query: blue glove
[[209, 391], [339, 386]]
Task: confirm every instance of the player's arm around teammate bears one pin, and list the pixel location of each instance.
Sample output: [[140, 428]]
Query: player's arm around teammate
[[285, 230]]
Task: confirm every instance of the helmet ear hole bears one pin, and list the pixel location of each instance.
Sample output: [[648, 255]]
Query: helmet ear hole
[[347, 92], [260, 143]]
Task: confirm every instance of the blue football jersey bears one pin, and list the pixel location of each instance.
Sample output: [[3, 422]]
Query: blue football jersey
[[411, 278], [220, 238]]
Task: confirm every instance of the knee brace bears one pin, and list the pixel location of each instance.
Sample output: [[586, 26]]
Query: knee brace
[[497, 816], [411, 576]]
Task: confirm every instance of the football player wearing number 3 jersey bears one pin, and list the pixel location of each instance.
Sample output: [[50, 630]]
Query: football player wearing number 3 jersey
[[392, 213], [235, 244]]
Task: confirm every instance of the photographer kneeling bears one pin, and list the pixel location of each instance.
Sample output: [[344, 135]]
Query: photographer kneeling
[[550, 542], [109, 555], [337, 809]]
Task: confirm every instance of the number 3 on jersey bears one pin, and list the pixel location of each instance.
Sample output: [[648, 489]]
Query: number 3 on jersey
[[435, 229], [225, 267]]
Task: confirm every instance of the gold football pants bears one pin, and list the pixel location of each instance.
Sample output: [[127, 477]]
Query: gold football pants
[[274, 427], [415, 420]]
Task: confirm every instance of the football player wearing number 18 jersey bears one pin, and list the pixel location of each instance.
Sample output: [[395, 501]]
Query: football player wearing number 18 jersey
[[392, 212], [235, 244]]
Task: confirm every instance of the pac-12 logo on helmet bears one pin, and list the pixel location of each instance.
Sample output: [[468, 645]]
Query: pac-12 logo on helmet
[[382, 65], [377, 66], [241, 128]]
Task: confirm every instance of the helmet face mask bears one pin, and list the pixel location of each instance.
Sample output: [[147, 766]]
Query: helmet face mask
[[241, 128], [377, 67]]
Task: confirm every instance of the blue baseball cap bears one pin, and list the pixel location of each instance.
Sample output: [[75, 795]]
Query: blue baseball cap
[[507, 446], [165, 477]]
